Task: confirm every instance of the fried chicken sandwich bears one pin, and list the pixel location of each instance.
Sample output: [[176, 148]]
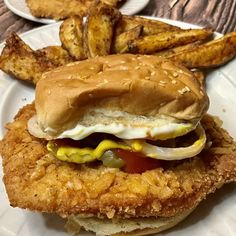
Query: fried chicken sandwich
[[119, 145]]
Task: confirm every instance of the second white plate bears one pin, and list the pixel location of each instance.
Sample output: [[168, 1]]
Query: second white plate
[[20, 8]]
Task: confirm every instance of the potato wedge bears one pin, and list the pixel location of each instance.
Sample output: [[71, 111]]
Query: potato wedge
[[19, 60], [57, 55], [211, 54], [99, 28], [150, 27], [154, 43], [71, 36], [175, 50], [121, 41]]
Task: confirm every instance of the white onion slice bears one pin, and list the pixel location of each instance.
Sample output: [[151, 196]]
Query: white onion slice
[[170, 154], [34, 129]]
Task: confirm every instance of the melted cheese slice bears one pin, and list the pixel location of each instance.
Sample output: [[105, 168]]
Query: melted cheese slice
[[83, 155]]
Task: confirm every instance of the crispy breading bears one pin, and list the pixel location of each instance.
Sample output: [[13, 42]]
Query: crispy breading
[[200, 76], [36, 180], [61, 9], [113, 2], [19, 60]]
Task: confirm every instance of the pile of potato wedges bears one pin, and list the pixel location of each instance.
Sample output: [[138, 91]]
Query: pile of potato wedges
[[106, 31]]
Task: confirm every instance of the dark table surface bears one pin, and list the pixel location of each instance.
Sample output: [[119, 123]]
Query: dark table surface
[[220, 15]]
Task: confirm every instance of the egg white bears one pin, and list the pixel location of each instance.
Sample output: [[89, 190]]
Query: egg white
[[162, 130]]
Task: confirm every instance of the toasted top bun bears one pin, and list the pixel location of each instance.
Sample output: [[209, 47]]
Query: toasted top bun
[[149, 86]]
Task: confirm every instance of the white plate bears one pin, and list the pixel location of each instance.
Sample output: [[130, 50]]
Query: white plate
[[214, 216], [20, 8]]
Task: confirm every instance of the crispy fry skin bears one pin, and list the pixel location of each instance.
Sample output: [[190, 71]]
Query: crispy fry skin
[[61, 9], [154, 43], [99, 28], [121, 41], [36, 180], [175, 50], [71, 36], [57, 55], [211, 54], [149, 26], [19, 60]]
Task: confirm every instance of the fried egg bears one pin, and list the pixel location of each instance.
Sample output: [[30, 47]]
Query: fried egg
[[162, 129]]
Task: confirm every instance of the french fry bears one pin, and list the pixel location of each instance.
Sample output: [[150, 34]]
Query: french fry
[[175, 50], [211, 54], [150, 27], [154, 43], [71, 36], [121, 41], [19, 60], [99, 28]]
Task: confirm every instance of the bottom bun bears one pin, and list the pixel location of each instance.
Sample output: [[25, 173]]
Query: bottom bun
[[123, 227]]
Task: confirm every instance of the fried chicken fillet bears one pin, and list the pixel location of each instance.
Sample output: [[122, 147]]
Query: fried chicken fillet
[[61, 9], [61, 153], [36, 180]]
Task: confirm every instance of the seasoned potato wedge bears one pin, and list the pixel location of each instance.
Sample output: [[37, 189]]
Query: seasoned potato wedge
[[211, 54], [19, 60], [56, 54], [99, 28], [150, 27], [121, 41], [71, 36], [154, 43], [175, 50]]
